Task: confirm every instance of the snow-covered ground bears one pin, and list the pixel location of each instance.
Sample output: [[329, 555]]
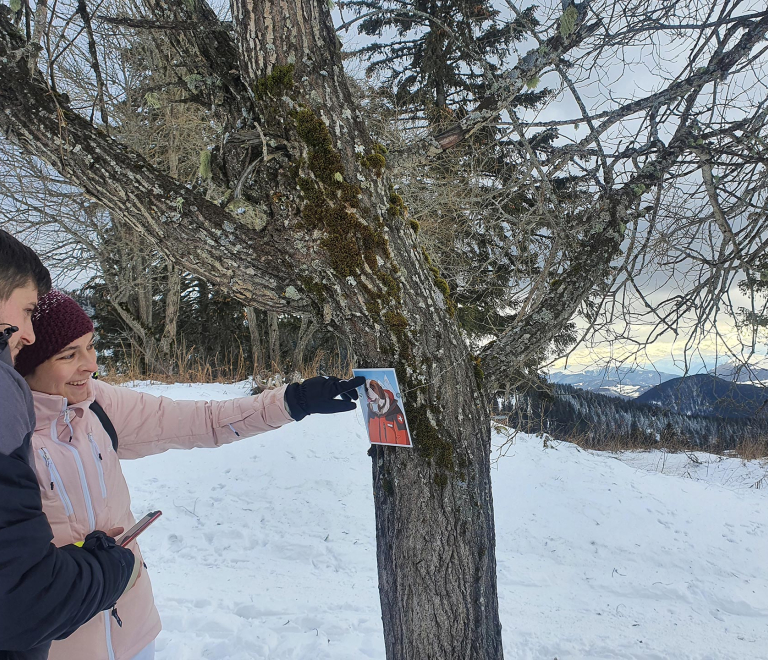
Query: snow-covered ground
[[266, 548]]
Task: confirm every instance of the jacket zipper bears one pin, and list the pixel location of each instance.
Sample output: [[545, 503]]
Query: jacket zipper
[[97, 459], [56, 479], [108, 625], [80, 469], [88, 502]]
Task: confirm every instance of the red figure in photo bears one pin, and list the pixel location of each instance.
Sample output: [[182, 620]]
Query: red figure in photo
[[386, 422]]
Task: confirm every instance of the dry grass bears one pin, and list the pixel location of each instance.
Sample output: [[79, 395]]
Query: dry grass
[[188, 368], [748, 449], [328, 364], [752, 449], [185, 367]]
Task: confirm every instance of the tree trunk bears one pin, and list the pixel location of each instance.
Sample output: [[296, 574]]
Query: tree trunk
[[203, 298], [306, 332], [143, 288], [434, 513], [252, 316], [122, 267], [172, 305], [41, 21], [141, 337], [274, 342]]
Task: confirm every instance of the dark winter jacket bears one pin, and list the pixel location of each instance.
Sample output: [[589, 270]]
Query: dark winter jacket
[[45, 593]]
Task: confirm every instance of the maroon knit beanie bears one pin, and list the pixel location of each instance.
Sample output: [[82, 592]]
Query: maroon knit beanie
[[57, 321]]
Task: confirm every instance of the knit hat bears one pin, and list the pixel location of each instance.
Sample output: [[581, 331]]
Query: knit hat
[[57, 321]]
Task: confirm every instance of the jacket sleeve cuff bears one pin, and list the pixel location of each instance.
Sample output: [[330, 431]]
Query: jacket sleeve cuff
[[276, 410], [287, 407]]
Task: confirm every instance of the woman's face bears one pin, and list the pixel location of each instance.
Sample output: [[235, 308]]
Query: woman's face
[[67, 373]]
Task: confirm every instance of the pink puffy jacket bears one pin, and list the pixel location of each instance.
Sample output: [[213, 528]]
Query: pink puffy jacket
[[83, 487]]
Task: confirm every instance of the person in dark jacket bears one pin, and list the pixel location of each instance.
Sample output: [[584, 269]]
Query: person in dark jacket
[[46, 593]]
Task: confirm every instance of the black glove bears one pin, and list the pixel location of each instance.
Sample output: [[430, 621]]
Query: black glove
[[318, 395], [98, 540], [117, 564]]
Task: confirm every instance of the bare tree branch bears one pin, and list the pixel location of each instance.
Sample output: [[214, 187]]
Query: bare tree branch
[[170, 213]]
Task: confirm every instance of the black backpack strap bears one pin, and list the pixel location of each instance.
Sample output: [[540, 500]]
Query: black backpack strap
[[106, 422]]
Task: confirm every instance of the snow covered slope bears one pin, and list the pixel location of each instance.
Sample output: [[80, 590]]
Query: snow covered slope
[[266, 549]]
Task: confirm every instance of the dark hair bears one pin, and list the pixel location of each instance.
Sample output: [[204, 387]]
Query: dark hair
[[19, 266]]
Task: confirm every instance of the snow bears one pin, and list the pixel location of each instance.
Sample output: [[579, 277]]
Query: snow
[[628, 391], [701, 466], [598, 559], [266, 548]]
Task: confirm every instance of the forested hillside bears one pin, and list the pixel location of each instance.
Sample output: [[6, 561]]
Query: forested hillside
[[602, 421], [704, 394]]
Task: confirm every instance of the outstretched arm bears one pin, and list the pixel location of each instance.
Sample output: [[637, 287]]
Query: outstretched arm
[[148, 424]]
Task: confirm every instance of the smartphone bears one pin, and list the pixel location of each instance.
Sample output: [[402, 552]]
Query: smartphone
[[139, 527]]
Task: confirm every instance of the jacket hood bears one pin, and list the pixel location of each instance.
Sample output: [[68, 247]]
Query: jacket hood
[[49, 407], [390, 398]]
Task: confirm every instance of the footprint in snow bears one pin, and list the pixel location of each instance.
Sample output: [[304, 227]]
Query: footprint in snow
[[175, 542]]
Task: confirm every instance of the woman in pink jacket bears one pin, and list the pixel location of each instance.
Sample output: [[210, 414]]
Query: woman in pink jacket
[[82, 485]]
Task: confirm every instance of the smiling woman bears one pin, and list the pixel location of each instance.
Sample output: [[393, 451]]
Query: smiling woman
[[64, 359], [76, 457], [67, 373]]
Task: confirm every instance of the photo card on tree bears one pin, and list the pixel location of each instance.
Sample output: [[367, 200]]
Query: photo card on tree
[[383, 410]]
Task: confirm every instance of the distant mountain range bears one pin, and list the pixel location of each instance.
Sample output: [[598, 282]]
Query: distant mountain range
[[704, 394], [622, 382], [741, 374]]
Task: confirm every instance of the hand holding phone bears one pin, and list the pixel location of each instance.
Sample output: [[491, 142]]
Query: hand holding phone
[[138, 528]]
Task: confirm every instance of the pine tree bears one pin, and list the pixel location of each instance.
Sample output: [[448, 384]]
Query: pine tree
[[756, 284], [440, 65], [442, 52]]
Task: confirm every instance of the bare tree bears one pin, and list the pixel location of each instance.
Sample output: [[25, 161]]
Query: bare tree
[[251, 314], [79, 240], [310, 224]]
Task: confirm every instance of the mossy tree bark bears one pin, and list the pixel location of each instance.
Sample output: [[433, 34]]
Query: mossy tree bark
[[357, 259]]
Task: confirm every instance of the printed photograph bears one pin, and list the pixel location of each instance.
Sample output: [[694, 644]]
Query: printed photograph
[[383, 410]]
